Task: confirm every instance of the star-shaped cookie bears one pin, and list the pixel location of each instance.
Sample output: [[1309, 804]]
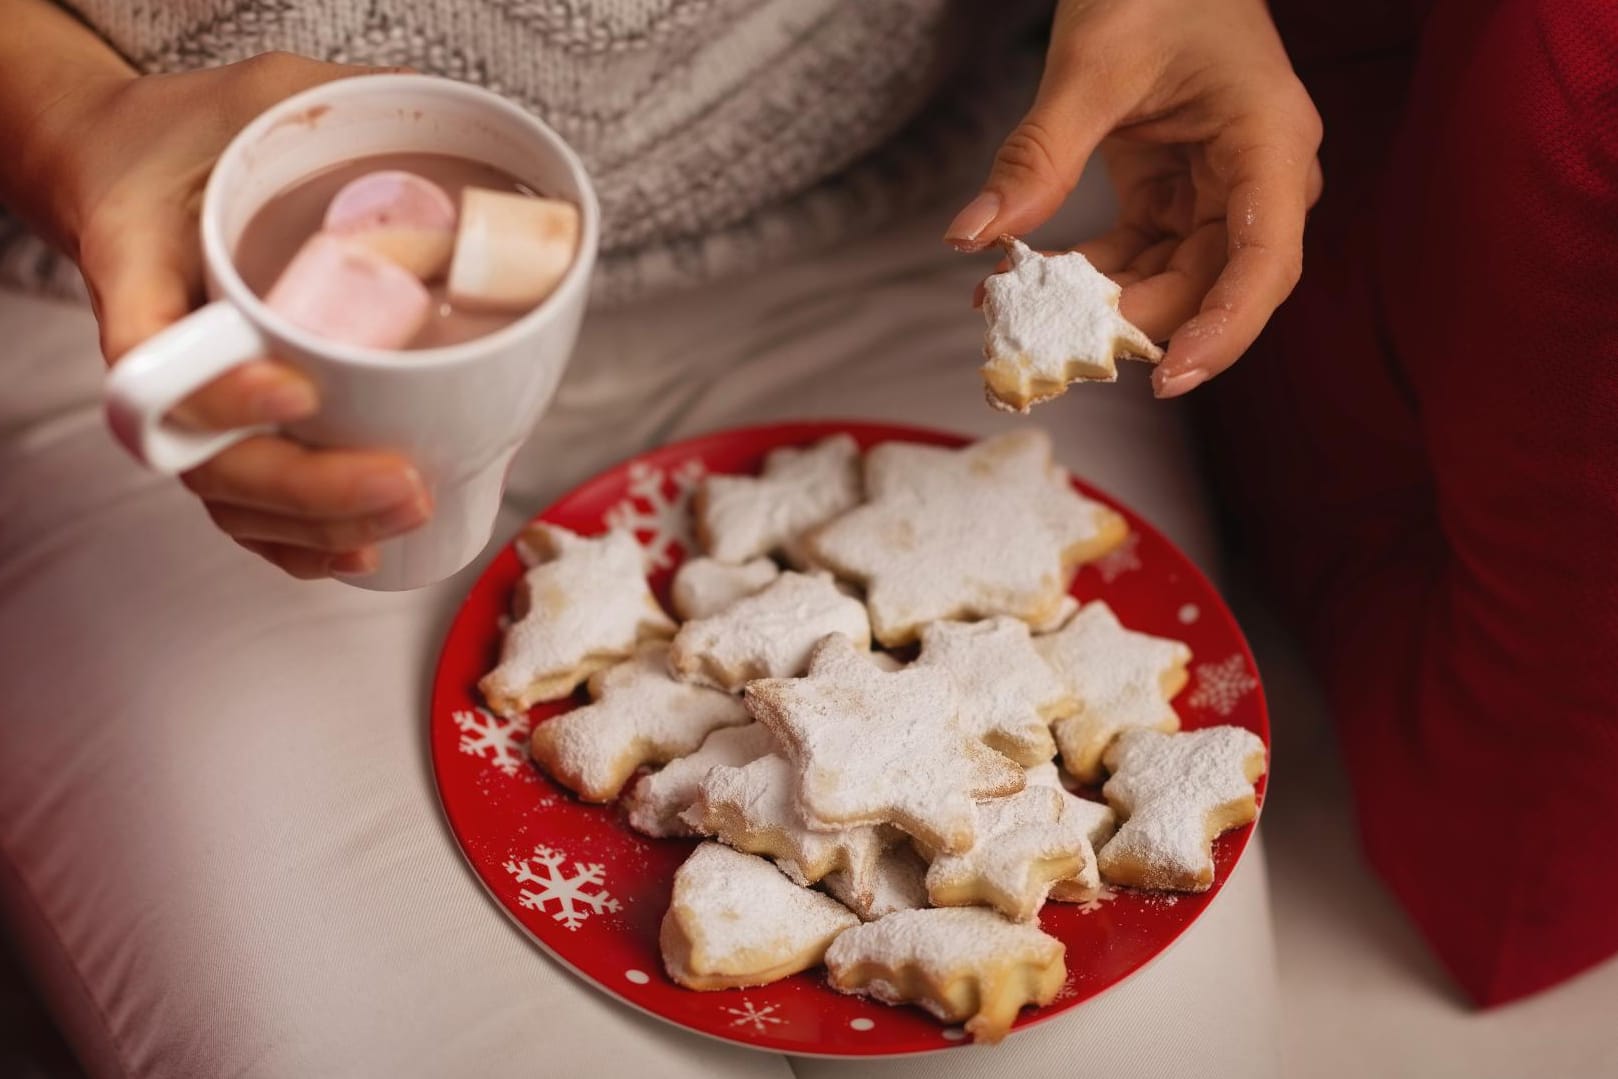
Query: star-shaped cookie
[[583, 604], [873, 747], [768, 634], [754, 808], [654, 805], [1122, 679], [898, 881], [992, 528], [704, 586], [1176, 793], [1053, 320], [960, 963], [743, 517], [734, 921], [641, 715], [1009, 694], [1026, 843], [1095, 819]]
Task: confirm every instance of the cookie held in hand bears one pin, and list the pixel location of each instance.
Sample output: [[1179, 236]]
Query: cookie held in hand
[[1053, 320]]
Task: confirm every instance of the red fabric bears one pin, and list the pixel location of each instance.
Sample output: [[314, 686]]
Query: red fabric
[[1421, 459]]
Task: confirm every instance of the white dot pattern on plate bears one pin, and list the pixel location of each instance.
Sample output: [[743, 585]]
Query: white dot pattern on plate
[[862, 1024], [637, 976], [1189, 614], [953, 1034]]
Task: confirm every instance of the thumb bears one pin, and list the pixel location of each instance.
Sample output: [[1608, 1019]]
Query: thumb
[[1041, 160]]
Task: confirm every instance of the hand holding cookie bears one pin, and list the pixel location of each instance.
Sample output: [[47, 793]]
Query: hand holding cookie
[[1210, 140]]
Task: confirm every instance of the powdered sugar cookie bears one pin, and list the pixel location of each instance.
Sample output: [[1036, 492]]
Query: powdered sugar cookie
[[734, 921], [754, 808], [742, 517], [1008, 693], [878, 748], [583, 604], [704, 586], [993, 528], [960, 963], [1053, 320], [653, 806], [898, 882], [1095, 819], [1026, 843], [1176, 793], [1122, 679], [1064, 611], [768, 634], [641, 715]]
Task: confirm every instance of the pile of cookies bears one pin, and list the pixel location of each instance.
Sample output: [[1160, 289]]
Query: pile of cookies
[[895, 813]]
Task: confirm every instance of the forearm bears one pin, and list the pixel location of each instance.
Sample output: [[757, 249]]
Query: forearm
[[50, 63]]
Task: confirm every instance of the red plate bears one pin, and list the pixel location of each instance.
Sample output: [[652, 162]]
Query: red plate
[[591, 892]]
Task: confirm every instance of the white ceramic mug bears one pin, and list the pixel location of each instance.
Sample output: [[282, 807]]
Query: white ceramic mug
[[459, 412]]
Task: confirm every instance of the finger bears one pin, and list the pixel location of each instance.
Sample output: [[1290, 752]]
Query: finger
[[260, 391], [279, 476], [1161, 303], [331, 535], [1041, 160], [307, 565], [1116, 249], [1153, 260], [1268, 165], [144, 271]]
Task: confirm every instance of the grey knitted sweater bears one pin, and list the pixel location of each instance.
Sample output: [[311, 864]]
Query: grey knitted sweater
[[721, 133]]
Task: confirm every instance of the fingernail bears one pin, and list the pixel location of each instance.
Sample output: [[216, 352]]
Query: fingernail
[[360, 563], [285, 402], [402, 518], [1165, 386], [381, 490], [969, 224]]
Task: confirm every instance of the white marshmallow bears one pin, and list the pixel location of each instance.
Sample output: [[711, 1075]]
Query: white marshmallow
[[510, 249], [348, 293], [400, 216]]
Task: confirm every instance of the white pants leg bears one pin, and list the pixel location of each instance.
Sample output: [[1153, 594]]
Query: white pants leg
[[219, 842]]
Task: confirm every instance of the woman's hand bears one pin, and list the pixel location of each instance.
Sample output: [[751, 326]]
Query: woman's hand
[[128, 161], [1210, 140]]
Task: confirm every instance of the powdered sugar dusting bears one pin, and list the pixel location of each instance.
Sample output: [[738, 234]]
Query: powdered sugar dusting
[[1007, 692], [655, 803], [1019, 840], [703, 587], [992, 528], [742, 517], [1166, 787], [768, 634], [641, 716], [873, 747]]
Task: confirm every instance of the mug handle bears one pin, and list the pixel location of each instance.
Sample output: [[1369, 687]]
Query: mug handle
[[167, 368]]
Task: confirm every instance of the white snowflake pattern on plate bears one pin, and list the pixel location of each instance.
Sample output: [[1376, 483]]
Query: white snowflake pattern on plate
[[577, 897], [1120, 560], [1106, 895], [501, 742], [1221, 686], [752, 1015], [657, 510]]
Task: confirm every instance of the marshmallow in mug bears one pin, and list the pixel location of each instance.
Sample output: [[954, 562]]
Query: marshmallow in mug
[[360, 280]]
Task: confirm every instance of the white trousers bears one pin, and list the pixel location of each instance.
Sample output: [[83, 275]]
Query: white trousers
[[220, 849]]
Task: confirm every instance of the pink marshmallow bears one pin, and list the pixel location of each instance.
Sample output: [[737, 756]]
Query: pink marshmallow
[[511, 250], [398, 215], [347, 293]]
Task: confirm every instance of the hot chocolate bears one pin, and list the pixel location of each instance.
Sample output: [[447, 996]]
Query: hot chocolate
[[282, 228]]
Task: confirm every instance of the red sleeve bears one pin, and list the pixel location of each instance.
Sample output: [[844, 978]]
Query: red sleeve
[[1422, 458]]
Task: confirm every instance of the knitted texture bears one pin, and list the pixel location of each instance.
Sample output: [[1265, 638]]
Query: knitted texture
[[721, 134]]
